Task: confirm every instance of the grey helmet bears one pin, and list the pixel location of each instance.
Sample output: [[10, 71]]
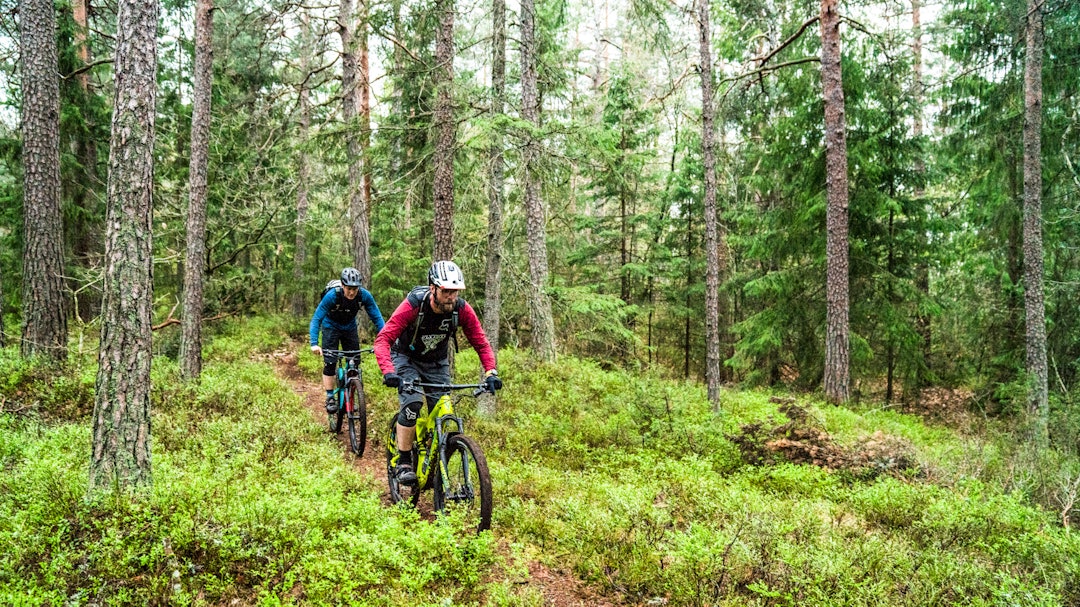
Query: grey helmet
[[350, 277], [446, 275]]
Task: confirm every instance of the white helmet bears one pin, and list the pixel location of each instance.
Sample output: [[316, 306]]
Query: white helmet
[[446, 275]]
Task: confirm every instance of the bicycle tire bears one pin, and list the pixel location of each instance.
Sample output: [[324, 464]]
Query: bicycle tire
[[470, 484], [398, 492], [357, 418]]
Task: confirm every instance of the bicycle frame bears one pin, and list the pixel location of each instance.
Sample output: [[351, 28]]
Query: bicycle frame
[[431, 435], [348, 367], [345, 372]]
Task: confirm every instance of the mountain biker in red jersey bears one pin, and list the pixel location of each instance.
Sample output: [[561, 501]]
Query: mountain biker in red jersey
[[414, 345]]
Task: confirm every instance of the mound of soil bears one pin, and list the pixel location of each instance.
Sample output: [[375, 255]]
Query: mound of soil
[[802, 440]]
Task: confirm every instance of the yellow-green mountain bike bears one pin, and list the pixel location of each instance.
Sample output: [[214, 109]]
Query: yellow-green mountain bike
[[448, 462]]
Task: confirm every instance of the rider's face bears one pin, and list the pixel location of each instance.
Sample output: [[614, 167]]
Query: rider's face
[[350, 292], [443, 299]]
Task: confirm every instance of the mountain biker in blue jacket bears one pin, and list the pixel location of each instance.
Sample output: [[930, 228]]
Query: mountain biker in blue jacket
[[336, 317]]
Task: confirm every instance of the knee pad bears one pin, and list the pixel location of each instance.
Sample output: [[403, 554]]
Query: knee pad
[[408, 413]]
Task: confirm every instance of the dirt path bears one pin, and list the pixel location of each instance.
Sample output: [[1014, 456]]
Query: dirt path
[[371, 465], [557, 587]]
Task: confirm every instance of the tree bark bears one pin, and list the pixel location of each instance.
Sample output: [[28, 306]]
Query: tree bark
[[444, 132], [82, 47], [350, 73], [493, 277], [543, 325], [922, 270], [121, 439], [837, 373], [363, 258], [303, 171], [690, 282], [712, 239], [1034, 304], [195, 260], [45, 302]]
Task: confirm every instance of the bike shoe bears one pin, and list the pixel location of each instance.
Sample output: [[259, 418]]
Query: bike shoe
[[331, 404], [404, 474]]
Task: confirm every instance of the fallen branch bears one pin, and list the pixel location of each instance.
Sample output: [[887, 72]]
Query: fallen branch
[[4, 409], [170, 320]]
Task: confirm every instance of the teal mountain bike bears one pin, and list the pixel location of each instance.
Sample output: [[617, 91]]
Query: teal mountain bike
[[352, 404], [448, 462]]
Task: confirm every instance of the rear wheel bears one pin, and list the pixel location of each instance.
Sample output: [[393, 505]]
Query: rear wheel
[[357, 418], [398, 492], [468, 493]]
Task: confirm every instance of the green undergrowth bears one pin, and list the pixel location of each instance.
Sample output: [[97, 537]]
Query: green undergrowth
[[627, 481], [638, 486], [252, 503]]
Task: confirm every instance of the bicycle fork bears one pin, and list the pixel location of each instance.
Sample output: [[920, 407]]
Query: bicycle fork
[[465, 493]]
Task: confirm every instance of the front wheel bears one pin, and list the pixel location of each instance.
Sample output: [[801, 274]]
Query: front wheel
[[357, 418], [468, 492]]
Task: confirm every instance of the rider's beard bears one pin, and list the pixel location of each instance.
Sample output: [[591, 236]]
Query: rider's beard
[[442, 307]]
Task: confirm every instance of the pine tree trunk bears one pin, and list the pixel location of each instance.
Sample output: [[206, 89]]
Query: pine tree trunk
[[690, 282], [922, 270], [44, 298], [363, 258], [358, 213], [303, 172], [195, 260], [84, 242], [121, 439], [493, 277], [890, 291], [444, 131], [712, 240], [3, 332], [82, 48], [1034, 305], [397, 104], [837, 373], [624, 237], [543, 325]]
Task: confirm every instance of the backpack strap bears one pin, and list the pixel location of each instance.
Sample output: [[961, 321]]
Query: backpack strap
[[419, 319], [454, 324]]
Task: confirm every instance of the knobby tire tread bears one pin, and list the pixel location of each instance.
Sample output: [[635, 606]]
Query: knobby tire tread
[[358, 419]]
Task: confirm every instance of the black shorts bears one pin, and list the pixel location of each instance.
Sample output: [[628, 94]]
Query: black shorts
[[437, 372], [335, 339]]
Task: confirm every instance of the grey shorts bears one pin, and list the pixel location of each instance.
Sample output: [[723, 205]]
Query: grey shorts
[[437, 372]]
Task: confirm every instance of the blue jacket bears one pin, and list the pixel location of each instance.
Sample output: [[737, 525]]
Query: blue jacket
[[335, 311]]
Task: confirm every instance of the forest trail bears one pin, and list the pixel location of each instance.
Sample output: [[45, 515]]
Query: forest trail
[[558, 587]]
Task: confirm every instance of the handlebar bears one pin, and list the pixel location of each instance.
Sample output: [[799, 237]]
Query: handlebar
[[341, 353], [416, 387]]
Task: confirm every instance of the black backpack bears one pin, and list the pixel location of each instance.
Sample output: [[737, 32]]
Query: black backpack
[[420, 292]]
